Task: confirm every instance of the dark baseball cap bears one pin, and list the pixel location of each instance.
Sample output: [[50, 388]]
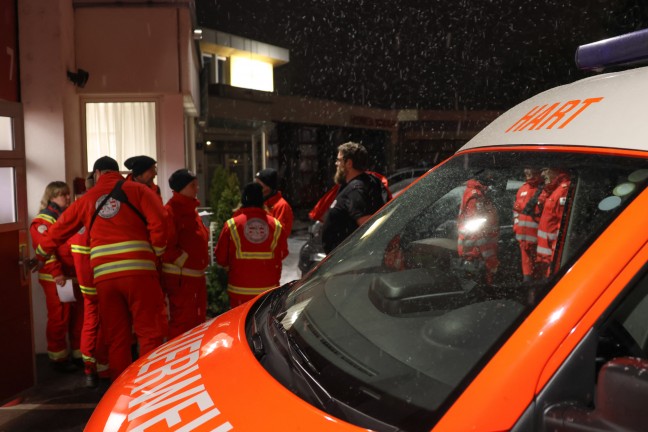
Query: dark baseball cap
[[105, 163]]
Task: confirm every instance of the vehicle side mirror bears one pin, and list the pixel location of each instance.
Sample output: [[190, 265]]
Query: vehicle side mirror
[[620, 404]]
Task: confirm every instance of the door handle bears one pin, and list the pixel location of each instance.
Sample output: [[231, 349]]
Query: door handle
[[24, 263]]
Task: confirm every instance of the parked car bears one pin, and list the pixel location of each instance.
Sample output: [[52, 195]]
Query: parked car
[[312, 251], [402, 178], [391, 333]]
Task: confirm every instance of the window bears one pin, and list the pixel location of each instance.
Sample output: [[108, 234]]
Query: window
[[8, 209], [120, 130], [6, 134]]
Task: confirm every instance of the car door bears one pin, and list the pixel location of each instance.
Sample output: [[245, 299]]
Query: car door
[[602, 385]]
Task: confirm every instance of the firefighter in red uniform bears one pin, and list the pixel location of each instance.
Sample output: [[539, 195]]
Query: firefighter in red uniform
[[251, 246], [93, 349], [143, 169], [526, 214], [277, 206], [478, 228], [554, 200], [186, 256], [127, 226], [64, 319]]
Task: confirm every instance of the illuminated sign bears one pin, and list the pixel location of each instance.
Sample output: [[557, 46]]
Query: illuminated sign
[[251, 74]]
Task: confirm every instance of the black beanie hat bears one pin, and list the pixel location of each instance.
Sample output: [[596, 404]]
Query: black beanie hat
[[105, 163], [181, 178], [269, 177], [138, 164], [252, 195]]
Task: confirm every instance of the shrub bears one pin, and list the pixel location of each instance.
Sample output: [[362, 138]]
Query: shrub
[[224, 196]]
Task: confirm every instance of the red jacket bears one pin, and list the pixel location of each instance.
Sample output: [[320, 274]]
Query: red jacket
[[60, 263], [121, 244], [478, 226], [155, 188], [554, 198], [80, 243], [525, 221], [187, 248], [281, 210], [252, 245]]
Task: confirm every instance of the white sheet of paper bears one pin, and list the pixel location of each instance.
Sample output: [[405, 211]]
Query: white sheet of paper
[[66, 292]]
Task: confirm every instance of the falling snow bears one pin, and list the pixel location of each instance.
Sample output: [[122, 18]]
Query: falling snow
[[424, 53]]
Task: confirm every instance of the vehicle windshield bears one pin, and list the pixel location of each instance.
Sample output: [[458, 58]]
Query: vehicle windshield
[[400, 317]]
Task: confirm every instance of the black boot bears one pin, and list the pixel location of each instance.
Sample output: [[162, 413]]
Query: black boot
[[91, 380]]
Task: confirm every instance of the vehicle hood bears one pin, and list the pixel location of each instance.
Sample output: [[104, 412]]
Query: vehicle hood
[[205, 380]]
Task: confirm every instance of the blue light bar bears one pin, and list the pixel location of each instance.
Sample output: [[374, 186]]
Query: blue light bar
[[626, 49]]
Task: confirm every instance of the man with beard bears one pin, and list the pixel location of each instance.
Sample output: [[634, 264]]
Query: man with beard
[[360, 195]]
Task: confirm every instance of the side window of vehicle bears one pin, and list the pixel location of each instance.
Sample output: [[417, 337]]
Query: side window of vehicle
[[603, 385]]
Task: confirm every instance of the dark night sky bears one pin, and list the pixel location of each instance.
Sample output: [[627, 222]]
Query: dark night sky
[[434, 54]]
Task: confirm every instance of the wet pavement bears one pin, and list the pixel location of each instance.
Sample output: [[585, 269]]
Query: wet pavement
[[60, 403]]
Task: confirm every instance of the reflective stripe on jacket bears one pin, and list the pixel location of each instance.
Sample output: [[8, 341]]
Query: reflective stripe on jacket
[[121, 244], [478, 226], [59, 263], [187, 251], [252, 245], [554, 201], [525, 225]]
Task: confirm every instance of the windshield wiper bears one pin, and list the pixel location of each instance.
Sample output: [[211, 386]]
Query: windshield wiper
[[303, 366], [293, 347]]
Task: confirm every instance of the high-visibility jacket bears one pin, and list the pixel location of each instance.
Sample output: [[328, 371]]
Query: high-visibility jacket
[[64, 320], [526, 214], [155, 188], [279, 208], [60, 263], [554, 199], [252, 245], [478, 227], [121, 243], [80, 247], [525, 220], [94, 351], [186, 251]]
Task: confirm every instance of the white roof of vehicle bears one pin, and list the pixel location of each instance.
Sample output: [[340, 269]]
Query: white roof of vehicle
[[602, 111]]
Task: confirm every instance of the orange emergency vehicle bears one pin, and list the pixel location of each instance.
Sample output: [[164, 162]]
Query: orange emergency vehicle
[[430, 344]]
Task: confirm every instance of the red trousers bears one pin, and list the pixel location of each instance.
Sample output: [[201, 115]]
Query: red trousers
[[63, 320], [126, 304], [528, 255], [187, 302], [93, 347]]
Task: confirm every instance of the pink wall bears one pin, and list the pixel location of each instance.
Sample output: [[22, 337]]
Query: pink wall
[[128, 50], [130, 53], [46, 53]]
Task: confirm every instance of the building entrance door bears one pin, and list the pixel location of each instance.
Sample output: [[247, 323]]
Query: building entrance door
[[16, 336]]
